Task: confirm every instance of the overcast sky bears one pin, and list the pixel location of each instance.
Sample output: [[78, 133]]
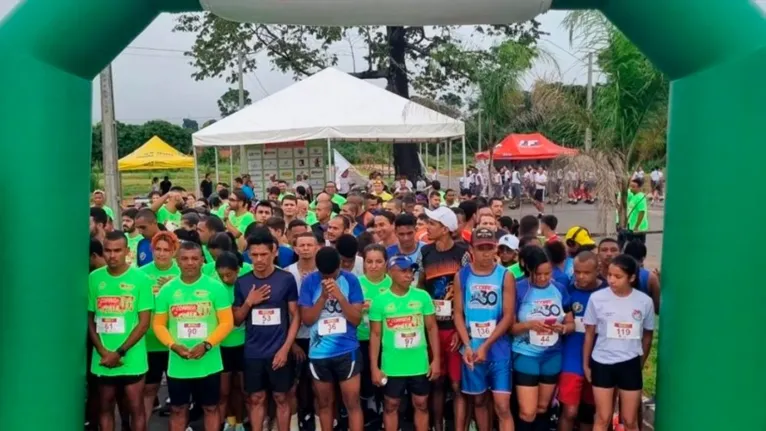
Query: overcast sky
[[152, 78]]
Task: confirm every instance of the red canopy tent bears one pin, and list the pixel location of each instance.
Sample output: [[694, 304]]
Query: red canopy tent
[[530, 146]]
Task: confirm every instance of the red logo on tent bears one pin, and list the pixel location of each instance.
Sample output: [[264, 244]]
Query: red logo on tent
[[529, 143]]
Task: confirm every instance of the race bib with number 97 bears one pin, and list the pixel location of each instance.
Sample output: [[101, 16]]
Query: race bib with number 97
[[407, 340], [192, 330]]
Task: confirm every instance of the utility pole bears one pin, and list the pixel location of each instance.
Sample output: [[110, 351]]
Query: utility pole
[[480, 131], [589, 102], [242, 155], [109, 146]]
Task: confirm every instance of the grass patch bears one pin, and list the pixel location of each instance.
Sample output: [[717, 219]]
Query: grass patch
[[650, 369]]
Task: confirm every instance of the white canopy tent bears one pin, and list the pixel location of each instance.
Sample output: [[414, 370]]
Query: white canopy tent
[[331, 105]]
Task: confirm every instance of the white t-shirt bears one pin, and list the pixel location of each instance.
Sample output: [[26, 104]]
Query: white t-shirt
[[620, 323], [358, 267], [515, 177], [656, 176], [540, 181], [344, 185], [303, 331]]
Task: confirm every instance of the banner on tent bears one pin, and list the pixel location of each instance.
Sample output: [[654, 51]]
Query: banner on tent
[[270, 163]]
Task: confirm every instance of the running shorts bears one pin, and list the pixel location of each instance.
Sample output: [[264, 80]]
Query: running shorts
[[416, 385], [535, 370], [206, 391], [539, 195], [575, 389], [233, 359], [622, 375], [261, 376], [119, 381], [158, 365], [450, 361], [489, 375], [338, 368]]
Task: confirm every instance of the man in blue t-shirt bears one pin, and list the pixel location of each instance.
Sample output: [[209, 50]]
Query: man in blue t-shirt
[[405, 226], [575, 393], [146, 224], [266, 302], [331, 306]]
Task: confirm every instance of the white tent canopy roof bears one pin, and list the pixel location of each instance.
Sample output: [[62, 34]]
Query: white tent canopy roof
[[330, 105]]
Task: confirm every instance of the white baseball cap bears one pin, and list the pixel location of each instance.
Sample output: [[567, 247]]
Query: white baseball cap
[[444, 216], [509, 241]]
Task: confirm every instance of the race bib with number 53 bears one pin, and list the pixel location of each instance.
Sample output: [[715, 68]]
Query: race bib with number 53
[[266, 317]]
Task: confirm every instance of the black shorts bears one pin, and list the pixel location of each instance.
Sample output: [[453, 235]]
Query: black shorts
[[206, 391], [158, 365], [233, 359], [119, 381], [366, 388], [302, 368], [416, 385], [622, 375], [260, 376], [338, 368], [539, 195]]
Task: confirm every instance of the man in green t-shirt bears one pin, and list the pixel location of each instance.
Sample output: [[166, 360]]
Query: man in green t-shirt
[[133, 235], [167, 211], [120, 304], [402, 317], [192, 317], [637, 214], [239, 216]]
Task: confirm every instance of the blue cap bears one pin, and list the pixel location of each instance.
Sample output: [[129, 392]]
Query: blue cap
[[403, 262]]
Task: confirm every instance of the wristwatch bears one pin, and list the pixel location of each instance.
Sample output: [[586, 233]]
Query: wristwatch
[[121, 352], [207, 345]]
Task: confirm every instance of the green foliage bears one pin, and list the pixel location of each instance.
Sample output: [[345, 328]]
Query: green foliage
[[132, 136], [229, 102], [190, 124]]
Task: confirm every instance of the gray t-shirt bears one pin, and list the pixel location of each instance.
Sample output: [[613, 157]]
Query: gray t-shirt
[[620, 323], [303, 331]]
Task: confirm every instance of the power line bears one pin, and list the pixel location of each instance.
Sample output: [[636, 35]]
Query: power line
[[149, 48]]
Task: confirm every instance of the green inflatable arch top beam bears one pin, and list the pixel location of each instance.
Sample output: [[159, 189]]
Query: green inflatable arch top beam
[[710, 373]]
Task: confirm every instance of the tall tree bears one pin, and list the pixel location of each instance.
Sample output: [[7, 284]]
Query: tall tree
[[190, 124], [229, 102], [437, 62]]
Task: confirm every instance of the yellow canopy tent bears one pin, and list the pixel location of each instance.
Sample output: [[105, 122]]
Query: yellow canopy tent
[[153, 155]]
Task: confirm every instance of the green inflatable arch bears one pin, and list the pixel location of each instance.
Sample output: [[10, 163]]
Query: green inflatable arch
[[711, 369]]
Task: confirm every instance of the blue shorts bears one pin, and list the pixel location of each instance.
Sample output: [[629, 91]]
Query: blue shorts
[[492, 375], [537, 369]]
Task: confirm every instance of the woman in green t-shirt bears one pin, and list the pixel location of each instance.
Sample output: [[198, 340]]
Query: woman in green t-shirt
[[228, 267], [374, 282]]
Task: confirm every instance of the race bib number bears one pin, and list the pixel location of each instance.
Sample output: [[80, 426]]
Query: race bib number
[[266, 317], [482, 329], [192, 330], [366, 319], [407, 340], [443, 309], [332, 325], [623, 331], [579, 325], [543, 339], [110, 325]]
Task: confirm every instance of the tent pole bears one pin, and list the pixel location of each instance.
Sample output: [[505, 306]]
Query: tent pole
[[217, 176], [449, 162], [425, 174], [231, 168], [437, 160], [330, 176], [464, 173], [196, 172]]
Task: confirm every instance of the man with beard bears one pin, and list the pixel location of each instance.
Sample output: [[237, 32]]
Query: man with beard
[[134, 237], [239, 218]]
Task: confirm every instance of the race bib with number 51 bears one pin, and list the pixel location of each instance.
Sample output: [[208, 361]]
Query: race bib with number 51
[[110, 325]]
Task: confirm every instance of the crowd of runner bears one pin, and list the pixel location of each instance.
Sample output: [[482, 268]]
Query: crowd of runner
[[362, 309]]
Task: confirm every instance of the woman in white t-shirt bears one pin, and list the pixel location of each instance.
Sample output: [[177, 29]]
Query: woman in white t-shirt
[[623, 318]]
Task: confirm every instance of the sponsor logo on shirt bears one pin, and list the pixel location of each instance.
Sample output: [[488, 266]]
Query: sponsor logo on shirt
[[414, 305], [200, 309], [403, 322], [115, 304], [390, 308], [638, 315], [201, 293], [577, 307], [126, 286], [102, 285]]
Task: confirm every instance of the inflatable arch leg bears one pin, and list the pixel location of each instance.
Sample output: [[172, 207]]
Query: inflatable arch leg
[[710, 346]]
